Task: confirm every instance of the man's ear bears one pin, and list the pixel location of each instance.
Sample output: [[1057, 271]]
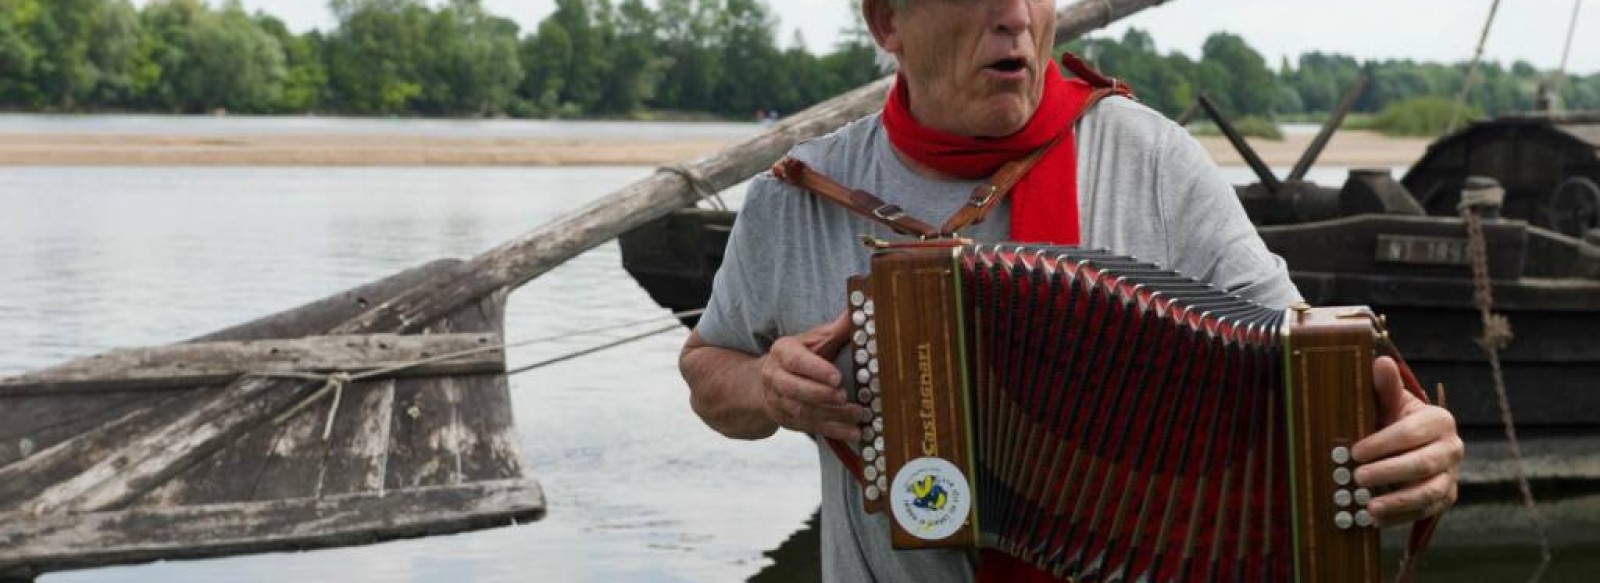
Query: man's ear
[[880, 21]]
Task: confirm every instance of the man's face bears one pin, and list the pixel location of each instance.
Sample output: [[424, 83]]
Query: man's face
[[974, 67]]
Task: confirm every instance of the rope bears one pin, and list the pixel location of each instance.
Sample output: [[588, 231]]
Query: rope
[[1572, 30], [334, 383], [701, 187], [1496, 336], [1472, 70]]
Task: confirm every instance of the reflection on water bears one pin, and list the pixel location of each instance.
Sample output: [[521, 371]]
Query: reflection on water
[[638, 488]]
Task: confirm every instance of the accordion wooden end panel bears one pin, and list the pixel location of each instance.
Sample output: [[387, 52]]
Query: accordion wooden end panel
[[1106, 419]]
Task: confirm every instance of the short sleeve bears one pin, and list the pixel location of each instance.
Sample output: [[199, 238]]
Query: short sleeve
[[742, 312], [1211, 237]]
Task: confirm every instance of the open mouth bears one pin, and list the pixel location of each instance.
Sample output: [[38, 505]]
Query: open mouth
[[1010, 65]]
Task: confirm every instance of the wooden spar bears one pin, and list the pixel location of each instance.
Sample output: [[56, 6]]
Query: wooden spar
[[216, 363], [516, 262]]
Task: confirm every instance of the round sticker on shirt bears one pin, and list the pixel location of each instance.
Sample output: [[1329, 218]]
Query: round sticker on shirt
[[930, 498]]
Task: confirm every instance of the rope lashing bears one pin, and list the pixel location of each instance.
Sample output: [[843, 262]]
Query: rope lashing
[[702, 188]]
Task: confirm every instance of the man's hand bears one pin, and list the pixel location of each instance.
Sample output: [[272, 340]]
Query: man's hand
[[1417, 453], [801, 387]]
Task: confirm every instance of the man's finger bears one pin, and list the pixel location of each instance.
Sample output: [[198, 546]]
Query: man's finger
[[806, 391], [849, 433], [1414, 502], [1426, 462], [1393, 398], [827, 339], [796, 360], [1420, 428]]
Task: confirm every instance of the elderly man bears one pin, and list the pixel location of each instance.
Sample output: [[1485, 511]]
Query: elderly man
[[977, 88]]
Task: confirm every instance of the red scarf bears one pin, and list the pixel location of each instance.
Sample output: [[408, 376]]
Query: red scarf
[[1044, 204]]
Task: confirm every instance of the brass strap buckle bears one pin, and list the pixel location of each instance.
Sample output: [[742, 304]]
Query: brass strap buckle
[[889, 212], [984, 196]]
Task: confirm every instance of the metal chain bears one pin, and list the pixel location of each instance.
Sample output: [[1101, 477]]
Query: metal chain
[[1497, 335]]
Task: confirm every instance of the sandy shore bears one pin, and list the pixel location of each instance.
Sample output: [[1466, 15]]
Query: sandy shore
[[1347, 149]]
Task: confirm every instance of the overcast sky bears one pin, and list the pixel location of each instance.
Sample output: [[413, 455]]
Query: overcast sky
[[1424, 30]]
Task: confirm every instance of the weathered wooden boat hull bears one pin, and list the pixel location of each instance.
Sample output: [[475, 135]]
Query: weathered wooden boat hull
[[132, 466]]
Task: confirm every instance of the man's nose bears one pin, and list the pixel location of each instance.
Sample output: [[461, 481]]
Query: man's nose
[[1012, 16]]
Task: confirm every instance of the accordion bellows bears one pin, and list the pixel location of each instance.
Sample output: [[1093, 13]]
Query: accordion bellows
[[1108, 420]]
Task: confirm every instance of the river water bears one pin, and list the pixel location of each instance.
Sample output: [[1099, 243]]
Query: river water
[[638, 488]]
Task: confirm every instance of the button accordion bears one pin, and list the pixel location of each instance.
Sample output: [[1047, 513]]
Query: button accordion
[[1105, 419]]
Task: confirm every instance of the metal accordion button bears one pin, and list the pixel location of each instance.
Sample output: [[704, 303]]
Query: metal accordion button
[[1341, 454], [868, 434], [878, 443], [863, 377], [1341, 476], [882, 482], [859, 318], [872, 345], [872, 365], [877, 404], [862, 357], [877, 424], [869, 472], [869, 454], [1342, 498], [861, 338], [864, 395], [872, 327], [857, 298], [869, 308], [1363, 496], [882, 464], [1363, 518], [873, 493], [1343, 520]]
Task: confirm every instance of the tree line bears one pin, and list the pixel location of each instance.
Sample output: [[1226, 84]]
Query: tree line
[[600, 58], [1241, 82]]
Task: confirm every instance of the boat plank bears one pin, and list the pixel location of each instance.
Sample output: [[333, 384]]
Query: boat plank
[[55, 541], [217, 363]]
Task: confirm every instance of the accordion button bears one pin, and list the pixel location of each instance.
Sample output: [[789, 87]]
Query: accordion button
[[872, 345], [1341, 454], [877, 424], [874, 386], [870, 473], [857, 298], [882, 464], [862, 376], [859, 318], [883, 482], [1342, 498], [862, 357], [872, 365], [872, 327], [1363, 496], [878, 443], [1343, 520], [864, 395], [869, 308], [861, 339], [1363, 518], [869, 454], [868, 434], [877, 404], [873, 493], [1341, 476]]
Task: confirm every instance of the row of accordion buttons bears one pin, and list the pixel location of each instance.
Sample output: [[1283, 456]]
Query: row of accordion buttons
[[864, 349]]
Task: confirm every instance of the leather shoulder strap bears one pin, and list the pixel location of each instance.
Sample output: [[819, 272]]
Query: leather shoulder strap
[[857, 201]]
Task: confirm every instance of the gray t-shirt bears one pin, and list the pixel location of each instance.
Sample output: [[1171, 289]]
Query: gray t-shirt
[[1145, 188]]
